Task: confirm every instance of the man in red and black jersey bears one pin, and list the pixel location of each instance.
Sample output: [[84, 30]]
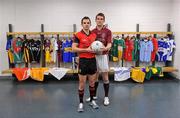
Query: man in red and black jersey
[[105, 36], [87, 62]]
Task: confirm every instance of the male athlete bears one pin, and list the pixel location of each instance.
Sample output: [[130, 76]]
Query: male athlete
[[105, 36], [87, 62]]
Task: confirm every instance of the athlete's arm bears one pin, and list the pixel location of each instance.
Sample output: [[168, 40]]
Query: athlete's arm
[[109, 42], [76, 49], [108, 47]]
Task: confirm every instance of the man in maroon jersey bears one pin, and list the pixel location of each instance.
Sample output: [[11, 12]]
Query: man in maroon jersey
[[105, 36]]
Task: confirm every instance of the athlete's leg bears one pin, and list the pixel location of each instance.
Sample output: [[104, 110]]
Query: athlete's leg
[[82, 82], [92, 90]]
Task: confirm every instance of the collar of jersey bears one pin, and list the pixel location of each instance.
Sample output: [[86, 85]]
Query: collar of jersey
[[85, 33]]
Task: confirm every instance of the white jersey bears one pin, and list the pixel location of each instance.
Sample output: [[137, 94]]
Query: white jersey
[[121, 73], [54, 49], [58, 73]]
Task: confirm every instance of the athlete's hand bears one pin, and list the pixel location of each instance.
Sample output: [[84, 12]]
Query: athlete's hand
[[89, 49], [99, 53], [103, 49]]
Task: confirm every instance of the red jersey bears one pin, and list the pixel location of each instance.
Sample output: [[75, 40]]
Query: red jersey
[[129, 49], [155, 49], [21, 73], [85, 41], [104, 35]]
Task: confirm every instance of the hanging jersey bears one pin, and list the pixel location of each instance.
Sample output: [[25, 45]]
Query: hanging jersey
[[146, 48], [26, 51], [121, 74], [54, 46], [114, 50], [17, 50], [155, 49], [71, 54], [38, 50], [21, 73], [117, 49], [65, 47], [129, 49], [172, 45], [34, 50], [135, 51], [163, 49], [38, 73], [30, 48], [59, 43], [9, 43], [48, 56], [48, 51], [9, 51], [121, 47]]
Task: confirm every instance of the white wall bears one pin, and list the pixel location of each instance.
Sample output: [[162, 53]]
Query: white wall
[[59, 15], [176, 30]]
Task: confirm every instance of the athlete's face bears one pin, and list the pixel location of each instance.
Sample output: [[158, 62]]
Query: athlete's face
[[86, 24], [100, 20]]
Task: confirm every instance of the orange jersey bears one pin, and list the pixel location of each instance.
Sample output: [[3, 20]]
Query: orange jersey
[[38, 73], [21, 73]]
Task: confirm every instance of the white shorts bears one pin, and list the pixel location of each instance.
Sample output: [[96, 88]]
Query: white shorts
[[102, 62]]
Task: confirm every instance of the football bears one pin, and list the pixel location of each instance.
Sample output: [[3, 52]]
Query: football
[[96, 46]]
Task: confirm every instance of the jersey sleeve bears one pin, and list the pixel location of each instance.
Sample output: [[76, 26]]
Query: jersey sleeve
[[75, 39]]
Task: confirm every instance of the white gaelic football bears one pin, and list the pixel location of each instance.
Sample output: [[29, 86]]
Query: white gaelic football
[[96, 46]]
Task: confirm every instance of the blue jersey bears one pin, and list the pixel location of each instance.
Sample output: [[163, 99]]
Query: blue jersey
[[65, 51], [71, 54], [8, 44], [146, 48], [163, 49]]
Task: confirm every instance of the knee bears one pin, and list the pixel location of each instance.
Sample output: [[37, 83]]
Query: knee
[[81, 85], [106, 81], [91, 83]]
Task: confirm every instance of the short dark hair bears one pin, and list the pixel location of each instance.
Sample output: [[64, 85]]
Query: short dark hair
[[100, 14], [87, 18]]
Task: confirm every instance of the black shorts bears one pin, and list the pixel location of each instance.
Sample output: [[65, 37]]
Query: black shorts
[[87, 66]]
